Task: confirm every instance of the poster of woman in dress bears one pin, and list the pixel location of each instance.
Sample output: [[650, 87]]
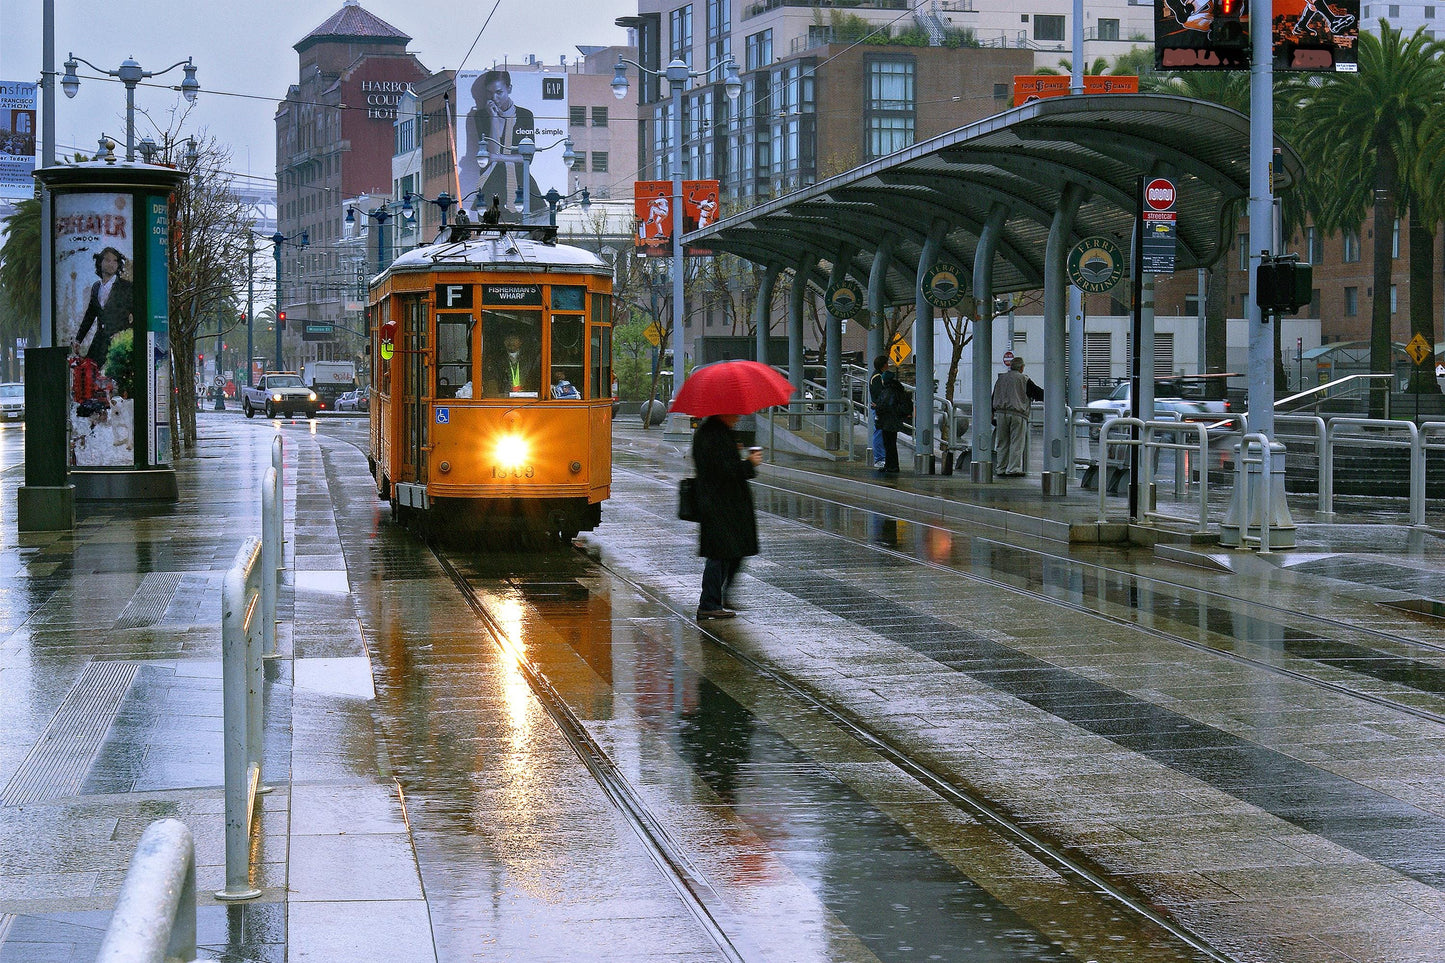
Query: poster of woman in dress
[[94, 315]]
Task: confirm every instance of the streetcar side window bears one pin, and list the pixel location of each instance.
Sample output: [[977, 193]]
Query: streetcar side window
[[454, 356], [601, 348], [511, 354], [568, 364]]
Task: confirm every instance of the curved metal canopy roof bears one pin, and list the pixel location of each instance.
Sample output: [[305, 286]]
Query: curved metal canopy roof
[[1022, 158]]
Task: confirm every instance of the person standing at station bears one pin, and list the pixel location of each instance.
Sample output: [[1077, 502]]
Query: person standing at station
[[1011, 397], [875, 385], [893, 406], [729, 528]]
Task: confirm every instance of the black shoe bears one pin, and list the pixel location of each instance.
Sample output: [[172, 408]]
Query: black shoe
[[704, 614]]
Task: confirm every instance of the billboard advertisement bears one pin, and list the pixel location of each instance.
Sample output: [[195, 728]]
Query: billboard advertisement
[[1214, 35], [495, 110], [94, 314], [17, 139], [652, 204]]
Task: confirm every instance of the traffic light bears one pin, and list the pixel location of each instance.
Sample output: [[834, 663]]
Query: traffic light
[[1283, 285], [281, 319]]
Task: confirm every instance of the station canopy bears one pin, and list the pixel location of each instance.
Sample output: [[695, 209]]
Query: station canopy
[[1023, 159]]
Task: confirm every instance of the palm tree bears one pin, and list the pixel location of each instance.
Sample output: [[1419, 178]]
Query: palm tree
[[20, 259], [1361, 131]]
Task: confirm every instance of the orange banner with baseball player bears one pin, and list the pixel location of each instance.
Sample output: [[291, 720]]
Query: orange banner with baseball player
[[652, 205]]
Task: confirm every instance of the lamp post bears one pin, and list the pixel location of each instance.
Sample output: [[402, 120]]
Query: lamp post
[[381, 214], [678, 75], [250, 302], [558, 202], [527, 149], [130, 74], [443, 201], [279, 239]]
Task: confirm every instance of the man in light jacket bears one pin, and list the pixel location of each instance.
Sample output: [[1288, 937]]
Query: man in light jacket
[[1011, 414]]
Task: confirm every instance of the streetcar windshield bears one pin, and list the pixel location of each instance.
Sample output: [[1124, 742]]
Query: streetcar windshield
[[511, 354]]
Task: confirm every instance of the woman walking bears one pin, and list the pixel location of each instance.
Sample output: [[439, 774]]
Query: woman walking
[[729, 530]]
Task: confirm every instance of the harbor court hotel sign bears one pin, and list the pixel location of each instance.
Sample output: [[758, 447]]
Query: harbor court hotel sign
[[382, 96]]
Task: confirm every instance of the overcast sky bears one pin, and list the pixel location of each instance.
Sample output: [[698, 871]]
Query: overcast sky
[[245, 48]]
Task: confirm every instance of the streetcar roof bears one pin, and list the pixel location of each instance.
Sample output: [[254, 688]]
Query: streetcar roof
[[506, 251]]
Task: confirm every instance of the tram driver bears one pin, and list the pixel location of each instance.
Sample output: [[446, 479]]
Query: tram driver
[[516, 370]]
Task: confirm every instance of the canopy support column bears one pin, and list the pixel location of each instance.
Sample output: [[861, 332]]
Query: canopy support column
[[923, 353], [982, 470], [796, 295], [1056, 442], [833, 352], [762, 311]]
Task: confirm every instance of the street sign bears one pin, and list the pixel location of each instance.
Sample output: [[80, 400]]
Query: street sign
[[653, 334], [1418, 349], [1008, 358], [317, 331], [1157, 254], [1159, 194], [898, 350]]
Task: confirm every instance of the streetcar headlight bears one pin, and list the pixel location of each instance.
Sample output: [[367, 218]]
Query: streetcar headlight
[[512, 451]]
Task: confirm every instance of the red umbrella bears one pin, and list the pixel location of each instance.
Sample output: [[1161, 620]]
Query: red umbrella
[[731, 388]]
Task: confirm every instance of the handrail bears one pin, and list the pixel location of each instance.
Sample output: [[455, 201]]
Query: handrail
[[155, 914], [1338, 427], [1266, 484], [1104, 443], [1319, 390], [797, 408], [241, 681], [1321, 443], [1146, 463]]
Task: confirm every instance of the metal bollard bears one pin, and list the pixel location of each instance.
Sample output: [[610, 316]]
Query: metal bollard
[[271, 552], [241, 684], [155, 915]]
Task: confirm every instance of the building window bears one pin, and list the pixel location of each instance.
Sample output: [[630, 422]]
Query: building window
[[599, 116], [1394, 11], [1352, 246], [759, 50], [1395, 239], [1313, 253], [1394, 303], [889, 112], [1048, 27], [599, 161], [1000, 91], [719, 32], [680, 39], [577, 116], [1241, 243], [1429, 13], [1108, 29], [1352, 302]]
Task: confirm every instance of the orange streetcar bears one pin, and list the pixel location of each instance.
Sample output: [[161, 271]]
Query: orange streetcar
[[491, 401]]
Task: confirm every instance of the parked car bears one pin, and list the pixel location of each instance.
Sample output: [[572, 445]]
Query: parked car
[[357, 400], [1167, 404], [12, 401]]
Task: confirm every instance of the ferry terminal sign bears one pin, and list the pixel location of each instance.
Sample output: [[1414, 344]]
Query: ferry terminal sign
[[943, 285], [1095, 265]]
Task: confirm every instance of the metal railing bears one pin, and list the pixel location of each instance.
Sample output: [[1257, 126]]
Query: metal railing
[[1265, 488], [155, 915], [1151, 437], [1347, 387], [1375, 433], [248, 619], [799, 412]]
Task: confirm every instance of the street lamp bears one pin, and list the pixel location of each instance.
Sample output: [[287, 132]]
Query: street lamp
[[130, 74], [380, 215], [678, 74], [559, 202], [301, 239], [443, 201], [527, 150]]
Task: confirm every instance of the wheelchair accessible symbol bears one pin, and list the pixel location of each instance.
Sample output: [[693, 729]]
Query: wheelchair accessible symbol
[[444, 416]]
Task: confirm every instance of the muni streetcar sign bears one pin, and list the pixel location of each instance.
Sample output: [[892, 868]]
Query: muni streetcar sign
[[1159, 194]]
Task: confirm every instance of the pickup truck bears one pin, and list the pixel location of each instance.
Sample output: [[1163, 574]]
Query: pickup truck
[[281, 391]]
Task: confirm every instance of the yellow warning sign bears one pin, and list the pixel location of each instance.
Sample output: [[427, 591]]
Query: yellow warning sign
[[1418, 349], [899, 349], [653, 334]]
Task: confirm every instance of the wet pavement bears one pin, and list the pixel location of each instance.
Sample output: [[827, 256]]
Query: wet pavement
[[937, 731]]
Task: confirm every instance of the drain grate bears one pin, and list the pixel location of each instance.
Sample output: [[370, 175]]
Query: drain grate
[[62, 756], [148, 605]]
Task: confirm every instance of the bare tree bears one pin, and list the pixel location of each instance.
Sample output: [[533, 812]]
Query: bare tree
[[208, 267]]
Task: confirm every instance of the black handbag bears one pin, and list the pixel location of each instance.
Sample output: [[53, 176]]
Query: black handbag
[[687, 500]]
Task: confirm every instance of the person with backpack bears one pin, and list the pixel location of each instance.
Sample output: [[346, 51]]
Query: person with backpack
[[875, 384], [892, 406]]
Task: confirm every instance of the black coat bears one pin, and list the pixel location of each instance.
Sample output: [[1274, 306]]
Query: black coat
[[108, 319], [729, 529], [886, 418]]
